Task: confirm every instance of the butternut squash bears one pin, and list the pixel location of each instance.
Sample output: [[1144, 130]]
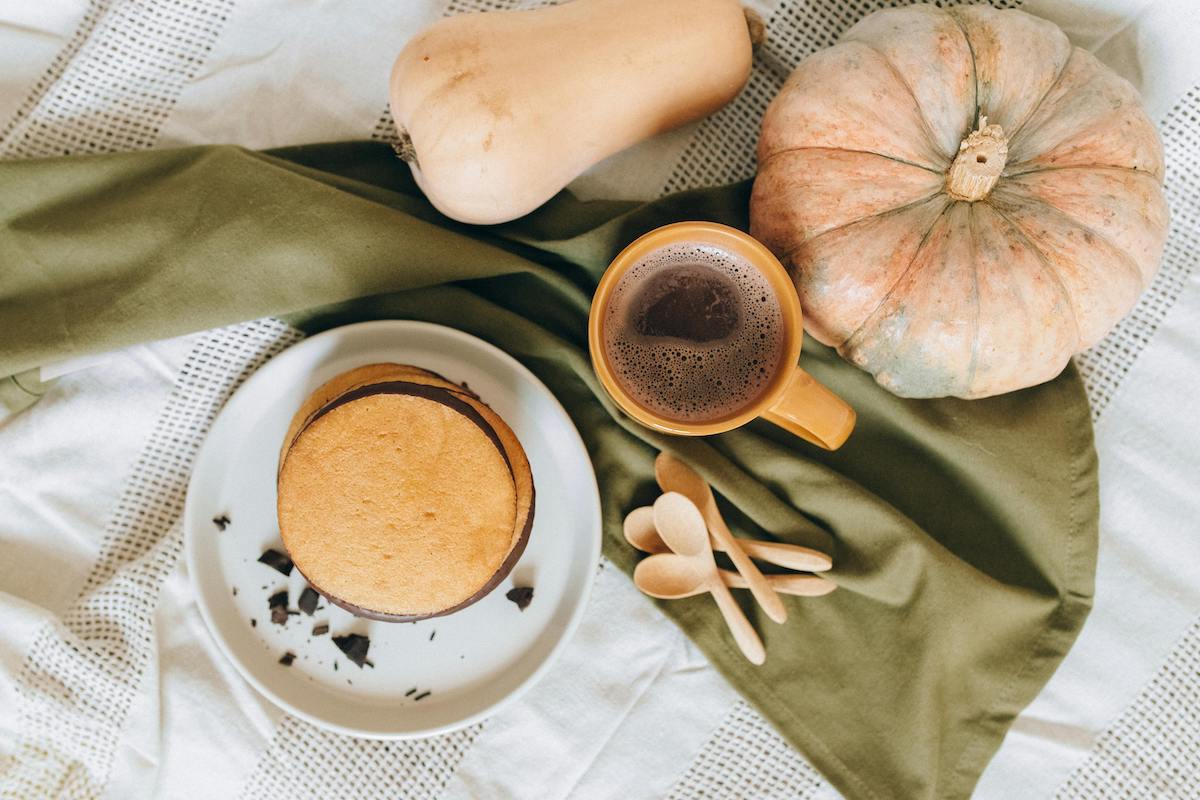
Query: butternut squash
[[498, 111]]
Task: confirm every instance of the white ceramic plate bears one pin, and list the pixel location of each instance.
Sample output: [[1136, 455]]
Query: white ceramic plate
[[471, 662]]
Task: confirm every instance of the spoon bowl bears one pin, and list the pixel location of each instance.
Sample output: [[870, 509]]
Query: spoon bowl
[[681, 527], [640, 532], [668, 576]]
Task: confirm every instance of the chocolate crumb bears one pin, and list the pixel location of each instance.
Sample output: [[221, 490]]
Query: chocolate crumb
[[422, 696], [432, 634], [287, 658], [308, 600], [521, 595], [335, 666], [293, 612], [235, 591], [320, 630], [253, 622], [276, 561], [278, 605], [349, 681], [222, 522], [355, 647], [411, 692]]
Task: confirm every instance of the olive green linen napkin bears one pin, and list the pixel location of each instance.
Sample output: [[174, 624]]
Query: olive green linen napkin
[[964, 533]]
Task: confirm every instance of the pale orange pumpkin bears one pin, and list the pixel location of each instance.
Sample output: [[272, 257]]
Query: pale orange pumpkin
[[963, 199]]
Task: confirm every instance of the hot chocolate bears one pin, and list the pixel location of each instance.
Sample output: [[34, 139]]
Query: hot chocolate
[[694, 333]]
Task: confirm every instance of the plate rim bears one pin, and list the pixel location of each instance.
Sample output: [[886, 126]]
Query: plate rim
[[595, 539]]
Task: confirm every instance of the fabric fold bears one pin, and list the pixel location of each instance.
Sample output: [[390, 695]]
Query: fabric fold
[[963, 532]]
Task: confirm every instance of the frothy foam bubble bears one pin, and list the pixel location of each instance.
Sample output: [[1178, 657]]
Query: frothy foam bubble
[[693, 333]]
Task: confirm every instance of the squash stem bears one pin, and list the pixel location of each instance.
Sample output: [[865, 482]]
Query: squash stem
[[980, 160], [756, 27], [404, 147]]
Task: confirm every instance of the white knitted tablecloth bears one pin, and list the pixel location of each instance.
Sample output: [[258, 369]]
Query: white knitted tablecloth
[[110, 686]]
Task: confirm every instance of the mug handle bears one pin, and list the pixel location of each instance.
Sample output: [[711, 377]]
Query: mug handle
[[812, 412]]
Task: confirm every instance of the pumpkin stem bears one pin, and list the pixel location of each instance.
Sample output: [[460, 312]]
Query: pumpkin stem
[[756, 27], [404, 147], [980, 160]]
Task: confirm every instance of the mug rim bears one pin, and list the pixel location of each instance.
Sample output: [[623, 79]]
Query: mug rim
[[756, 254]]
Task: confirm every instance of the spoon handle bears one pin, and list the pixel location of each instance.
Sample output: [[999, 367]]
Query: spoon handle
[[743, 632], [797, 585], [791, 556], [755, 581]]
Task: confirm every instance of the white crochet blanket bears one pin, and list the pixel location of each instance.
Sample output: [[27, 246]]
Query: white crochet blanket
[[92, 477]]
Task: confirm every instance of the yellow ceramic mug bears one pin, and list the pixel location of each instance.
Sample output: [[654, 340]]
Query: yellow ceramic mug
[[794, 400]]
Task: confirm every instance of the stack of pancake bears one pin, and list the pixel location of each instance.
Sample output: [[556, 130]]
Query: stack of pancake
[[402, 495]]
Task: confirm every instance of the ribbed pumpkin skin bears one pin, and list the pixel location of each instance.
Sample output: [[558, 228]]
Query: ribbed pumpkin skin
[[935, 295]]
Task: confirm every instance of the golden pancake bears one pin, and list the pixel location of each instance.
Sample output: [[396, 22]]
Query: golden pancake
[[382, 372], [402, 495]]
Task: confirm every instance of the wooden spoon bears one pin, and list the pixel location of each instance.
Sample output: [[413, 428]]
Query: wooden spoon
[[682, 528], [675, 476], [668, 576], [641, 533]]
